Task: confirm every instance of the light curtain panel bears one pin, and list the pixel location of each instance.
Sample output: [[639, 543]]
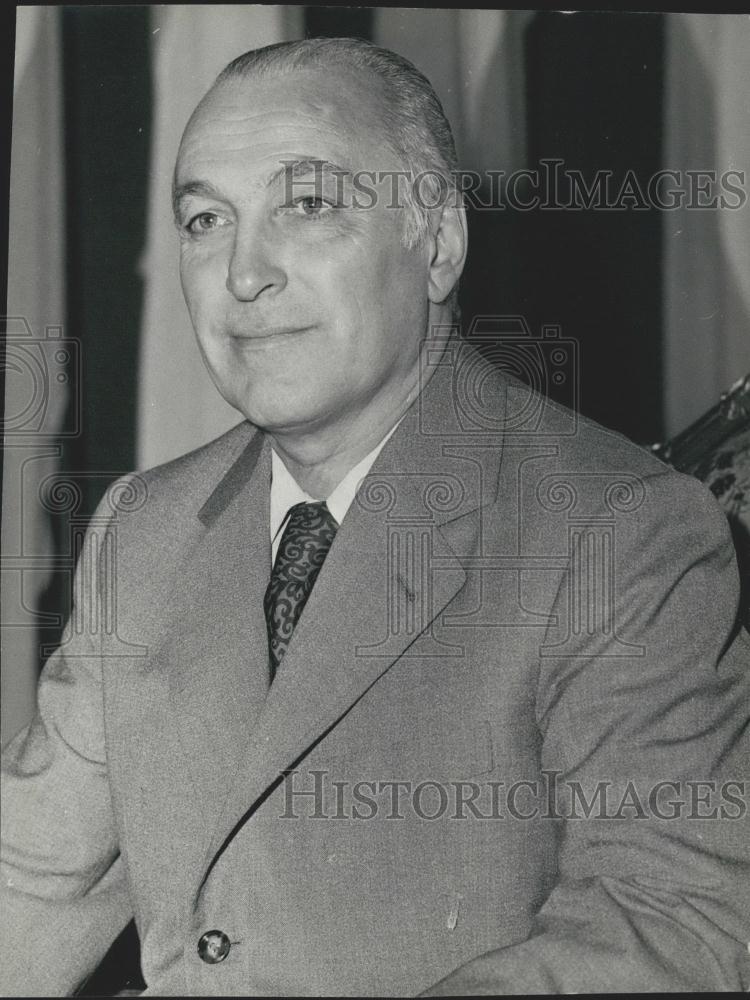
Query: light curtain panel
[[36, 385], [706, 252]]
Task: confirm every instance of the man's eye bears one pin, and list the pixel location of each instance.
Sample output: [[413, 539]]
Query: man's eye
[[312, 206], [205, 222]]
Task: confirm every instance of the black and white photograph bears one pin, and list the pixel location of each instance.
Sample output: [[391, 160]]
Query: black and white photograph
[[375, 502]]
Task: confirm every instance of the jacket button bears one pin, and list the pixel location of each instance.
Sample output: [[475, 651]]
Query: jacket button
[[213, 947]]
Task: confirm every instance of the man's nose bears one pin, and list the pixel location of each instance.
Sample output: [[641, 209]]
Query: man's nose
[[254, 268]]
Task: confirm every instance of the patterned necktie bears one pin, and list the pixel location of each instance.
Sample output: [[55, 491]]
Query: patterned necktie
[[304, 545]]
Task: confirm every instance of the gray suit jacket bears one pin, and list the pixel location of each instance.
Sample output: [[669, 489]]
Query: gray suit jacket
[[523, 619]]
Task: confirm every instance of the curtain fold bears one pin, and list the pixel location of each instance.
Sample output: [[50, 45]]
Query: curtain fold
[[706, 250], [474, 59], [37, 365]]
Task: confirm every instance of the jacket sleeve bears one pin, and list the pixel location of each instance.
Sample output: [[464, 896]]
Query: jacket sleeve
[[653, 888], [64, 896]]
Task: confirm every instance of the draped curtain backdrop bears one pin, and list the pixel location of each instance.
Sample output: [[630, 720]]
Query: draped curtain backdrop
[[476, 59]]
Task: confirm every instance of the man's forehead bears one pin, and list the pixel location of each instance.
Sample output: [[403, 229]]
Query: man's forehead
[[342, 103], [252, 126]]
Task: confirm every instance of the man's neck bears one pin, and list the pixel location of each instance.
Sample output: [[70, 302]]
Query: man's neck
[[319, 460]]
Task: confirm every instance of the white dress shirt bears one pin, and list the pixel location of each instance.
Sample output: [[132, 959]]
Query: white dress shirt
[[286, 492]]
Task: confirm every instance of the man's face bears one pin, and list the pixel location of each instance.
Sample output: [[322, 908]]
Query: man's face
[[307, 314]]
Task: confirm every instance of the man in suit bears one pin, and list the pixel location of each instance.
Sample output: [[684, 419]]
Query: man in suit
[[500, 748]]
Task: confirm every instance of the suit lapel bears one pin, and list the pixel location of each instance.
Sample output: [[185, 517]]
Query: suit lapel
[[215, 647]]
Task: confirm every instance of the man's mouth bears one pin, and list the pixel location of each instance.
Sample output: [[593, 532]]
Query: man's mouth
[[268, 332]]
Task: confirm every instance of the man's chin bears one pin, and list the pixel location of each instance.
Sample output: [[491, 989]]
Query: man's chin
[[277, 418]]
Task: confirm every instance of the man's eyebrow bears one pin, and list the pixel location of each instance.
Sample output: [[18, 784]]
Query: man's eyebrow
[[180, 191], [306, 165], [293, 168]]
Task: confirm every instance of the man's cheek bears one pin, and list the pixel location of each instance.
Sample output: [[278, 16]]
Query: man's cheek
[[191, 279], [203, 262], [203, 282], [343, 232]]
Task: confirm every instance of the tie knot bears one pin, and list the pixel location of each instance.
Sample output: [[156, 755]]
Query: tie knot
[[305, 542], [311, 517]]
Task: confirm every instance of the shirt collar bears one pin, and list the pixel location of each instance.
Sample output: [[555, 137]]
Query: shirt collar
[[286, 492]]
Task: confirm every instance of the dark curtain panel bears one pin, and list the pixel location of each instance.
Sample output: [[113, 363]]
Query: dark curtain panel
[[107, 102], [594, 102], [107, 113], [107, 81], [594, 92]]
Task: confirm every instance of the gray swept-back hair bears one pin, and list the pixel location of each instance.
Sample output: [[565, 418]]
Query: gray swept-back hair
[[414, 123]]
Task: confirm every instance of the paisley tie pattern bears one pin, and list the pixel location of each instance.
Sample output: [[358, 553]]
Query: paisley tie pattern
[[304, 545]]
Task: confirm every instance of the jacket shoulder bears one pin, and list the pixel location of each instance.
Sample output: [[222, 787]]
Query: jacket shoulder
[[198, 465], [581, 442], [182, 485], [590, 458]]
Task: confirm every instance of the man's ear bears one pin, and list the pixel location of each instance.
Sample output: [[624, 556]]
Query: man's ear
[[448, 242]]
